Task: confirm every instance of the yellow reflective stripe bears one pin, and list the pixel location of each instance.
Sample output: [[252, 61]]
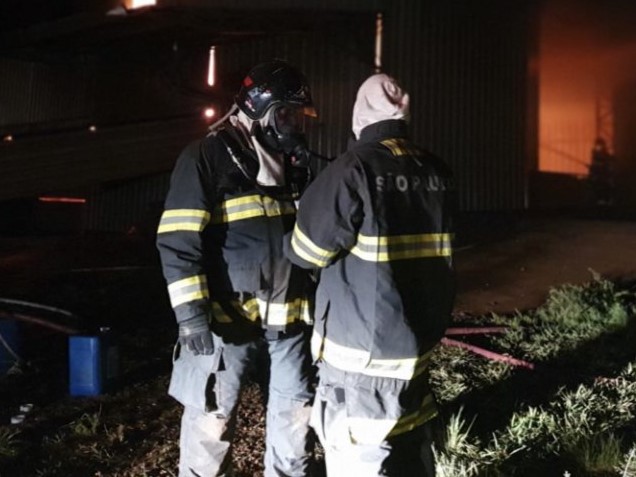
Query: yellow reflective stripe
[[359, 361], [188, 289], [308, 250], [281, 314], [189, 220], [426, 412], [219, 313], [250, 206], [248, 309], [400, 247], [401, 147]]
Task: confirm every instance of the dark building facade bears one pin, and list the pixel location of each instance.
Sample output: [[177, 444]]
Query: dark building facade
[[99, 105]]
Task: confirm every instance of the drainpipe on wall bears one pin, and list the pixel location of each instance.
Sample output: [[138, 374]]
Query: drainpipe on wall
[[377, 62]]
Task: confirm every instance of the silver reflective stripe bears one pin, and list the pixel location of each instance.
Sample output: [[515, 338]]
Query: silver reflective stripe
[[359, 361], [402, 247], [188, 289], [305, 314], [309, 251], [188, 220], [281, 314], [250, 206]]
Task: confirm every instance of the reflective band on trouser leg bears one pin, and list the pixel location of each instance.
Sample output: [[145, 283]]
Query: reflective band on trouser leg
[[309, 251], [183, 220], [425, 413], [402, 247], [188, 289], [359, 361], [250, 206]]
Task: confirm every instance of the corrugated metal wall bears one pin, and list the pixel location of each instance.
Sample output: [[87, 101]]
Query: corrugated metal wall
[[132, 206], [465, 65], [39, 93]]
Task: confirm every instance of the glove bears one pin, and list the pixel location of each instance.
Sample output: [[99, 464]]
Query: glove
[[195, 334]]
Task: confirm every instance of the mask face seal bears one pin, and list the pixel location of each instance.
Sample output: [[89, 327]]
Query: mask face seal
[[283, 132]]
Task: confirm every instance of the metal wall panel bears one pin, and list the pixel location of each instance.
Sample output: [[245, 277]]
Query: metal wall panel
[[33, 93], [132, 206], [465, 66], [339, 5]]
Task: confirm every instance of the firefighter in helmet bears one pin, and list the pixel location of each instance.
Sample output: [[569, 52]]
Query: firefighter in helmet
[[231, 200]]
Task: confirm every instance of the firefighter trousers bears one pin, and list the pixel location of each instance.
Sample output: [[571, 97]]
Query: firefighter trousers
[[209, 388], [355, 417]]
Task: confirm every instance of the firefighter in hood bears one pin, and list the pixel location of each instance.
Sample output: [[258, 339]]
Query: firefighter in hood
[[231, 200], [377, 222]]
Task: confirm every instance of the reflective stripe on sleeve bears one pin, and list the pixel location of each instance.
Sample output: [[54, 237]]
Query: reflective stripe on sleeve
[[402, 247], [359, 361], [188, 289], [308, 250], [188, 220], [250, 206]]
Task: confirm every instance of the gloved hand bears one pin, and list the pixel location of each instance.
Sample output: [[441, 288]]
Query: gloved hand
[[195, 334]]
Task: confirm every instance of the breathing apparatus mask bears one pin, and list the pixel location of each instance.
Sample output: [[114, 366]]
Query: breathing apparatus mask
[[283, 133], [266, 138]]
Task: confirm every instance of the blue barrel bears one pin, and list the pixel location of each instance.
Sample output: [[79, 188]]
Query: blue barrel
[[10, 339], [93, 364]]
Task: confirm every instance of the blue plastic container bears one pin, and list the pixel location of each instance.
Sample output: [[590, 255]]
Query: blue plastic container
[[10, 334], [93, 364]]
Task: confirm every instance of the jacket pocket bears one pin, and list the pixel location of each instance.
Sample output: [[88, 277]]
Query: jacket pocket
[[372, 413], [192, 378]]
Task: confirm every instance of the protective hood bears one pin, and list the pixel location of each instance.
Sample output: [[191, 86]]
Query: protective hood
[[379, 98]]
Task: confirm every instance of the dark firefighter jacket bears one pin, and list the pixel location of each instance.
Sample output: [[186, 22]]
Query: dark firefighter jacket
[[377, 221], [221, 247]]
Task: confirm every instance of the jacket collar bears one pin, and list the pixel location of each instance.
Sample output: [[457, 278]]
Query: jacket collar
[[391, 128]]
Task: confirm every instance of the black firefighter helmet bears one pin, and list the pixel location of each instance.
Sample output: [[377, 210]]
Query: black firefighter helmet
[[272, 83]]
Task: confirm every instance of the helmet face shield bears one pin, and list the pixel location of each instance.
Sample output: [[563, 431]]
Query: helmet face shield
[[282, 129], [288, 120]]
